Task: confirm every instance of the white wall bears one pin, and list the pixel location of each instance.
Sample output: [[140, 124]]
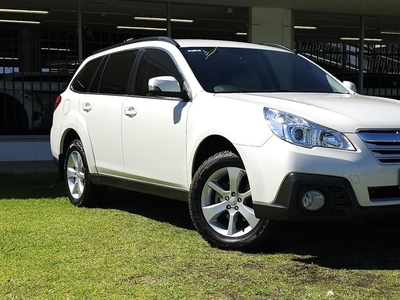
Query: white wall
[[272, 25]]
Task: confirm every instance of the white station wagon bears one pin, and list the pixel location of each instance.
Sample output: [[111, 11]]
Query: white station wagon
[[246, 133]]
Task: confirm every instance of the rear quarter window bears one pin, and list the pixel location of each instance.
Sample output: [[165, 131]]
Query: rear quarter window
[[85, 76]]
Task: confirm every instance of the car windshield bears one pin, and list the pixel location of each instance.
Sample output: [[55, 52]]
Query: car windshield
[[242, 70]]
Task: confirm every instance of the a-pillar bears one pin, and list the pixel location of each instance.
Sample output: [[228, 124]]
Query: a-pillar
[[272, 25]]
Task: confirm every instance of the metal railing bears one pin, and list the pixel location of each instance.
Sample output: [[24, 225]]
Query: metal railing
[[381, 65], [35, 66]]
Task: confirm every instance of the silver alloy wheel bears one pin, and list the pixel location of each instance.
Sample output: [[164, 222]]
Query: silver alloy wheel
[[226, 202], [75, 175]]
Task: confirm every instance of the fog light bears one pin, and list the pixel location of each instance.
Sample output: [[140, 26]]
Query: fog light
[[313, 200]]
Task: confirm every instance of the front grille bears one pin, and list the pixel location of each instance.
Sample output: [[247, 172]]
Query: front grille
[[384, 145]]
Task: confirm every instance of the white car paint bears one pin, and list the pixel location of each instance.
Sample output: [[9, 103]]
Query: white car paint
[[154, 140]]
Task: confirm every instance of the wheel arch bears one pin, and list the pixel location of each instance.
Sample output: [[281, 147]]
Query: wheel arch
[[210, 146], [69, 135]]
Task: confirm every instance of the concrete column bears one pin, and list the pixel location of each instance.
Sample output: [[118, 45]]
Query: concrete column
[[29, 50], [361, 56], [169, 19], [80, 32], [272, 25]]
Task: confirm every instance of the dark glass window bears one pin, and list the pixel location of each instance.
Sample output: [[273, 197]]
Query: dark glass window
[[154, 63], [82, 81], [94, 87], [241, 70], [117, 73]]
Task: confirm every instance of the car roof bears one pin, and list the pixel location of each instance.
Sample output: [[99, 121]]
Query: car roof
[[187, 43]]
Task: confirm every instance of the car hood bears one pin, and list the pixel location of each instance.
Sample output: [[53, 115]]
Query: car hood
[[342, 112]]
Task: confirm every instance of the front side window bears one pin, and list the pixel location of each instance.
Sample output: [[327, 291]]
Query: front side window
[[117, 73], [154, 63], [240, 70]]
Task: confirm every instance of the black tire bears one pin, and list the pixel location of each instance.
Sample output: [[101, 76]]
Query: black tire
[[80, 189], [222, 212]]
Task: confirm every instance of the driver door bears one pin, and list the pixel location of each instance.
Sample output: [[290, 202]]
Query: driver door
[[154, 127]]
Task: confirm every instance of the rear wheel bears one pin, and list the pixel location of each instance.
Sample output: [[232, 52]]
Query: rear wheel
[[80, 189], [221, 206]]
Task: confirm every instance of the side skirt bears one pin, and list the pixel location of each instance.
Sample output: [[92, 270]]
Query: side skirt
[[141, 187]]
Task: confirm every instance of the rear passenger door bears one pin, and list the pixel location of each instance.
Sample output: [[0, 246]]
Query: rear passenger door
[[154, 127], [101, 109]]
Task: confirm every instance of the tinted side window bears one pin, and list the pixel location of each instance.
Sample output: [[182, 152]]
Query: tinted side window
[[154, 63], [94, 87], [117, 73], [84, 78]]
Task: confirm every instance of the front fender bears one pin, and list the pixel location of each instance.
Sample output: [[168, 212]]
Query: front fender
[[241, 123]]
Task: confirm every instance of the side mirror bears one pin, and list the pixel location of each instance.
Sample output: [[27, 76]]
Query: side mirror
[[350, 86], [164, 86]]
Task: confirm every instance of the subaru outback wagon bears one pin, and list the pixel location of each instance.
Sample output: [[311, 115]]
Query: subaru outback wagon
[[246, 133]]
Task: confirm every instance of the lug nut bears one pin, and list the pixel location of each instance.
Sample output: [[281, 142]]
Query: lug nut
[[240, 200], [236, 207], [228, 207], [227, 198], [233, 194]]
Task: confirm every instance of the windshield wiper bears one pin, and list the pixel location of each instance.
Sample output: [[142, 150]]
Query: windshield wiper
[[302, 91], [285, 91]]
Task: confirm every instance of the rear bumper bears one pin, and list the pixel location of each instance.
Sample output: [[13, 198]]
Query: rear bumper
[[341, 201]]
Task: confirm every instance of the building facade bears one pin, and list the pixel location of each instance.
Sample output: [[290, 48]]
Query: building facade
[[42, 44]]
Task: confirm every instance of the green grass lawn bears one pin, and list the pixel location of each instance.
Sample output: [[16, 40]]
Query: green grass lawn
[[141, 247]]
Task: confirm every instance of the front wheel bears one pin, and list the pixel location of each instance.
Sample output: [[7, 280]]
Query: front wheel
[[221, 206], [80, 189]]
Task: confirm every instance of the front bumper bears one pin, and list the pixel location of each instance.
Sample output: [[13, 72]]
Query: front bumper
[[341, 202], [355, 183]]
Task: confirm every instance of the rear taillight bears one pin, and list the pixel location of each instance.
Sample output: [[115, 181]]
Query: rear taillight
[[58, 101]]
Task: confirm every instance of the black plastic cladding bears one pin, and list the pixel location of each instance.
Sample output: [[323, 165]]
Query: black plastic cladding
[[146, 39]]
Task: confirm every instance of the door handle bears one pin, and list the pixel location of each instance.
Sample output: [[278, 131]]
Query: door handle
[[86, 106], [130, 111]]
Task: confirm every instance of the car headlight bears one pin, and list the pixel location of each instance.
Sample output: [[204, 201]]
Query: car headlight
[[301, 132]]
